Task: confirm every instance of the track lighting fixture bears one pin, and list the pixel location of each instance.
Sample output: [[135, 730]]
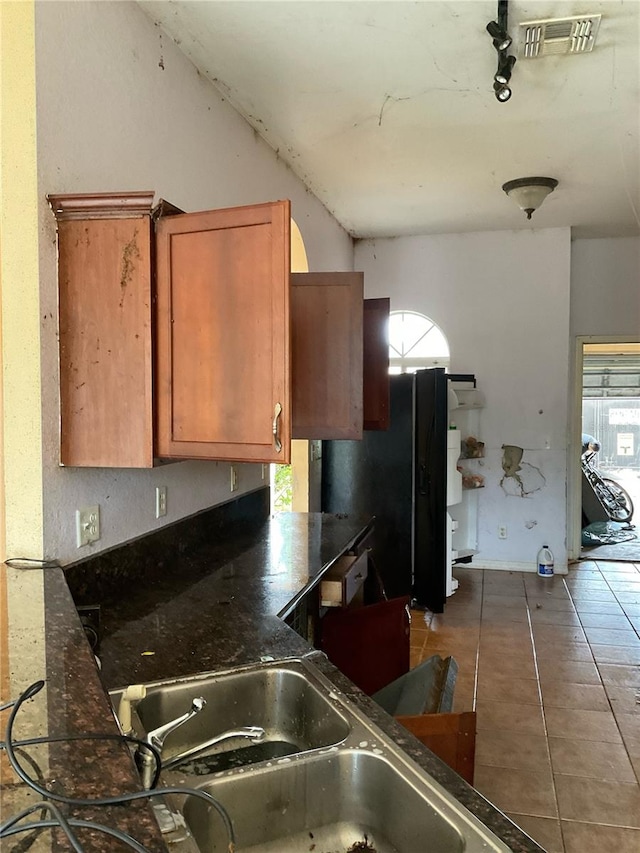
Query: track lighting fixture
[[529, 193], [501, 41]]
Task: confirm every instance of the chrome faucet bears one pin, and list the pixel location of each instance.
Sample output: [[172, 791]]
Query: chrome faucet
[[145, 759], [255, 733]]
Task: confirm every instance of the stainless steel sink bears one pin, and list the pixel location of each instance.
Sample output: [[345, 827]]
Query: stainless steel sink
[[344, 786], [284, 699], [331, 803]]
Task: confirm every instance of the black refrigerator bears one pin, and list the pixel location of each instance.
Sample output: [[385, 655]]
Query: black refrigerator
[[400, 477]]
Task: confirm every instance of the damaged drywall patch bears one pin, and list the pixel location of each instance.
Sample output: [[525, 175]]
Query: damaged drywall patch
[[520, 479]]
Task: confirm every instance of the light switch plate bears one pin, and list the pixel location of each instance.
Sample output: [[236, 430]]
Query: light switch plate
[[161, 501]]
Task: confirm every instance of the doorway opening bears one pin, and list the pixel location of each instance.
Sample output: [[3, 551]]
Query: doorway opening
[[610, 416]]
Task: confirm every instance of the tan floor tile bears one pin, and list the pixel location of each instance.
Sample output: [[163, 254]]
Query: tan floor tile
[[509, 717], [617, 655], [543, 616], [589, 838], [582, 725], [628, 597], [629, 725], [498, 688], [512, 749], [616, 621], [493, 614], [596, 801], [587, 585], [568, 651], [510, 632], [620, 676], [575, 697], [617, 568], [592, 595], [628, 585], [461, 635], [545, 831], [550, 603], [504, 601], [558, 634], [515, 666], [624, 700], [610, 607], [610, 637], [567, 671], [518, 791], [598, 761]]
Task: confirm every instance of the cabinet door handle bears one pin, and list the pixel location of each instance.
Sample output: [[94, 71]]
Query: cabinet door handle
[[276, 423]]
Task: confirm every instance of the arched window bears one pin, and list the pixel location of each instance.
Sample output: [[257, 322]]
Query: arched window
[[414, 342]]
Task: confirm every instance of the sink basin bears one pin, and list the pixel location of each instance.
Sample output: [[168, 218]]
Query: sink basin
[[294, 712], [352, 800]]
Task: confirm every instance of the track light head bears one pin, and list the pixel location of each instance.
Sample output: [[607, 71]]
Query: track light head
[[501, 38], [503, 93], [505, 67]]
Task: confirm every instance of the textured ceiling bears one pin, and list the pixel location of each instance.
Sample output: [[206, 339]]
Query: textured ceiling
[[386, 109]]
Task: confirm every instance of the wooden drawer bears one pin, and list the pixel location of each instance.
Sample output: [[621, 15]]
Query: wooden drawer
[[343, 580]]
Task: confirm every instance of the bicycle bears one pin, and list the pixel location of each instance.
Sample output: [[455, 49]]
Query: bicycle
[[614, 499]]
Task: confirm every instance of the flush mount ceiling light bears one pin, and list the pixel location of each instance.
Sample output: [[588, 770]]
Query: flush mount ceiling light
[[529, 193]]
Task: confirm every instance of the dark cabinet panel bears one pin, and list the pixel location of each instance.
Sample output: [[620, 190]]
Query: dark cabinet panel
[[326, 327], [375, 363]]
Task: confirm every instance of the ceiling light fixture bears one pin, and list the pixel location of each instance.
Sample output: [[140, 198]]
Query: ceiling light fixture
[[529, 193], [501, 41]]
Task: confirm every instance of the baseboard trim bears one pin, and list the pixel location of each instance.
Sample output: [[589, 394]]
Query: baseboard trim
[[511, 566]]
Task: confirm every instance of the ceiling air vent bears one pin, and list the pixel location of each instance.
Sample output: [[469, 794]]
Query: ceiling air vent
[[556, 36]]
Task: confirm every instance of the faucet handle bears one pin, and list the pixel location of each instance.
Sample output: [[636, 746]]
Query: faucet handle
[[156, 737]]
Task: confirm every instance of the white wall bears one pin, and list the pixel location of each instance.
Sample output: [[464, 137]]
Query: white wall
[[605, 287], [502, 299], [120, 108]]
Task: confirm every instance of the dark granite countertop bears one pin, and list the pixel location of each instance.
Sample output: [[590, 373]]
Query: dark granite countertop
[[217, 607]]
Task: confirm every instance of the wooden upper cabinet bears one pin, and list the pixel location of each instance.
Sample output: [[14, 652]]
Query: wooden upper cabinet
[[195, 341], [376, 363], [222, 334], [104, 297], [326, 324]]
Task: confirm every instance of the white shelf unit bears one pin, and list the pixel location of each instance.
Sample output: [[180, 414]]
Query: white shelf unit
[[464, 515]]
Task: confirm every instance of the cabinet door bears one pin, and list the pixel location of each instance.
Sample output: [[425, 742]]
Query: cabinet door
[[326, 323], [104, 305], [223, 325], [376, 363]]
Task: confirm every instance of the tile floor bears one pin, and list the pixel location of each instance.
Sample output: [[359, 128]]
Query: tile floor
[[552, 668]]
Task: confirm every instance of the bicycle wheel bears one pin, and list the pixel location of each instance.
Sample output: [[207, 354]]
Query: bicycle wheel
[[617, 503]]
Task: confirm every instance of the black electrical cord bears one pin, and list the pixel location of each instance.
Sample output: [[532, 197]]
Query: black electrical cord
[[59, 820], [29, 693], [82, 824], [33, 741]]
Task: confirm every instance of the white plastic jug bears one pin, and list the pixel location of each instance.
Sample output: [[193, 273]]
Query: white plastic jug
[[545, 562]]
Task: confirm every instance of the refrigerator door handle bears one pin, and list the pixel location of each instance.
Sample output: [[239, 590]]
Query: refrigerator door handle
[[423, 479]]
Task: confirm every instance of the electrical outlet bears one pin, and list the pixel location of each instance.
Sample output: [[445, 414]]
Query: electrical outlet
[[161, 501], [265, 471], [87, 525], [233, 478], [502, 531]]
